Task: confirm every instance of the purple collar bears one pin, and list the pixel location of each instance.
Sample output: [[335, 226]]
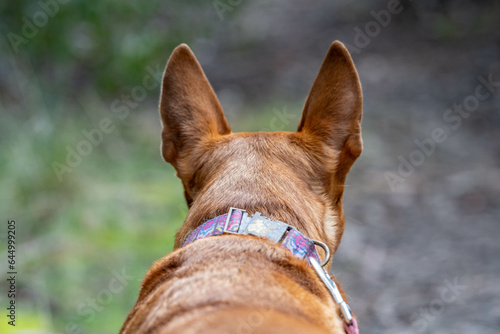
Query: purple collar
[[237, 221]]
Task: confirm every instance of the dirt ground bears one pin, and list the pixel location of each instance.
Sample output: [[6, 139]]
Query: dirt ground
[[422, 255]]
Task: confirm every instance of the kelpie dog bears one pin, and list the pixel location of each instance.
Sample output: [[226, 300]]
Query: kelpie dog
[[255, 269]]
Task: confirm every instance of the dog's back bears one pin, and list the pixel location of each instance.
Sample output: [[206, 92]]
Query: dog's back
[[203, 288]]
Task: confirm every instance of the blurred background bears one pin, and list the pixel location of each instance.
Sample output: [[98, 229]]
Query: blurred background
[[95, 205]]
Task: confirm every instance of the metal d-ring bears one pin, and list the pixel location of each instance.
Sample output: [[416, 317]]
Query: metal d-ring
[[326, 249]]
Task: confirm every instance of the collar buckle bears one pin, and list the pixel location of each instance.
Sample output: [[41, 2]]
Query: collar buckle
[[228, 219]]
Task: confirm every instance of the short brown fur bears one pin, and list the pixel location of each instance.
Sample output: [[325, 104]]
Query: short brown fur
[[231, 284]]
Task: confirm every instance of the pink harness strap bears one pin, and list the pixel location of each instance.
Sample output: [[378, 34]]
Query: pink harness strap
[[352, 328]]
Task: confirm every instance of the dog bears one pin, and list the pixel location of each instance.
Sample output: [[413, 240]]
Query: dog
[[233, 282]]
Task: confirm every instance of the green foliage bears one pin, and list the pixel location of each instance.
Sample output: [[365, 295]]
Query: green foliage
[[103, 45], [118, 210]]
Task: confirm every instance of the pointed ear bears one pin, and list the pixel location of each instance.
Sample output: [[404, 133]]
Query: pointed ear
[[332, 112], [189, 108]]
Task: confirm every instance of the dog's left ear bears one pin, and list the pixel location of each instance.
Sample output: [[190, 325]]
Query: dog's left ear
[[189, 108], [332, 114]]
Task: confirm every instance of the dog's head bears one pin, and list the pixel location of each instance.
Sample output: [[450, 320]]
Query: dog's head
[[296, 177]]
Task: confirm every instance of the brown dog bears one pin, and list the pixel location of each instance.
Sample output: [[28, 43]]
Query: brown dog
[[244, 284]]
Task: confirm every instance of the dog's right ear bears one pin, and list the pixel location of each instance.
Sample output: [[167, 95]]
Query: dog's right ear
[[332, 114], [189, 108]]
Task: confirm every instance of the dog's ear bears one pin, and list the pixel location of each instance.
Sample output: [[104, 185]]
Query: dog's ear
[[189, 108], [332, 113]]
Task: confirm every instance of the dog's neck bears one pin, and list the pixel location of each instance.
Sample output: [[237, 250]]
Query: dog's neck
[[237, 171], [307, 214]]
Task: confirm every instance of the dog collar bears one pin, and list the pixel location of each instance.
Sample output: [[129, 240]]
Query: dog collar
[[237, 221]]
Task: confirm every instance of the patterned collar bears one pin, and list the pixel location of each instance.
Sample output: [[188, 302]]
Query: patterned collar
[[237, 221]]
